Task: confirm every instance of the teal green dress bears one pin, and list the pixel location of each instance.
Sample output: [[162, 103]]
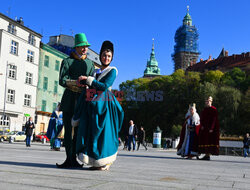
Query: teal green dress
[[100, 118]]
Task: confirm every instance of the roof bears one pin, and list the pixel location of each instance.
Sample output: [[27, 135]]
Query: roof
[[223, 63], [20, 25]]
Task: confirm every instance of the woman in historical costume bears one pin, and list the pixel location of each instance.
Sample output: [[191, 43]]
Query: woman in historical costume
[[99, 115], [54, 128], [188, 146]]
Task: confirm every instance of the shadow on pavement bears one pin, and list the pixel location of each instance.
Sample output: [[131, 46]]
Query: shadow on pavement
[[147, 156], [39, 165], [180, 158]]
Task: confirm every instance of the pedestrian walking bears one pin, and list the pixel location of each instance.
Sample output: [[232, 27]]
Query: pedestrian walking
[[246, 143], [132, 135], [141, 138], [29, 126]]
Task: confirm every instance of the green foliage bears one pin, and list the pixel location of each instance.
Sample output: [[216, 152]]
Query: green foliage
[[213, 76], [244, 113], [176, 130], [234, 78], [228, 99]]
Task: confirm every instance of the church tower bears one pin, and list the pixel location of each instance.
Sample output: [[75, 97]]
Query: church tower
[[152, 68], [186, 48]]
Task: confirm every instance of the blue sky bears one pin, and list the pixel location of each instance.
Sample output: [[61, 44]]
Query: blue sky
[[132, 24]]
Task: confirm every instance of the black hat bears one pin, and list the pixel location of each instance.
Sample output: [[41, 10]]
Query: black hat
[[107, 45]]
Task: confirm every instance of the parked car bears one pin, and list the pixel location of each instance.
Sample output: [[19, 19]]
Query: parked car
[[11, 134], [3, 136], [40, 136], [17, 135]]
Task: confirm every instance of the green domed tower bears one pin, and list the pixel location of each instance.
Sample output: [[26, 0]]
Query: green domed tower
[[152, 68]]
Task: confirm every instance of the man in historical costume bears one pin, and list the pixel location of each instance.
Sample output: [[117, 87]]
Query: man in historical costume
[[72, 68], [209, 131]]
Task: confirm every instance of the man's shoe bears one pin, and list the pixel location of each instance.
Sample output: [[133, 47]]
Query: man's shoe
[[65, 164], [75, 164], [205, 158]]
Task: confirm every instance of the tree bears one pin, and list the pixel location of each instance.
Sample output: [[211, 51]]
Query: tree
[[228, 101], [234, 78], [213, 76]]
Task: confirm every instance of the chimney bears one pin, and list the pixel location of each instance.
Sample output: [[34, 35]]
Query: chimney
[[201, 59], [226, 53], [20, 20]]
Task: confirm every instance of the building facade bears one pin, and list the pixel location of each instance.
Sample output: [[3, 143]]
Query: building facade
[[19, 59], [186, 48], [49, 92]]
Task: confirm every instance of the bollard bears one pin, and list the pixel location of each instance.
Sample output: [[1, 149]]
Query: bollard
[[11, 139], [43, 140], [157, 138]]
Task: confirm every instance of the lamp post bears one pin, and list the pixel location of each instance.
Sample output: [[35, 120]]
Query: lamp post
[[4, 103]]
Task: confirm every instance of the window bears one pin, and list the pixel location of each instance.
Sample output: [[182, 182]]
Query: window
[[32, 40], [54, 106], [5, 120], [28, 79], [14, 47], [11, 96], [12, 29], [45, 83], [57, 65], [43, 105], [46, 61], [12, 71], [27, 100], [55, 87], [30, 56]]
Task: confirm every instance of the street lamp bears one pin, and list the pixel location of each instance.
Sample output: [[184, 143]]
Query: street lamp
[[4, 103]]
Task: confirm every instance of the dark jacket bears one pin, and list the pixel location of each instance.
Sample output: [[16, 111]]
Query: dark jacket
[[29, 126], [246, 142], [135, 130], [71, 68], [141, 136]]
